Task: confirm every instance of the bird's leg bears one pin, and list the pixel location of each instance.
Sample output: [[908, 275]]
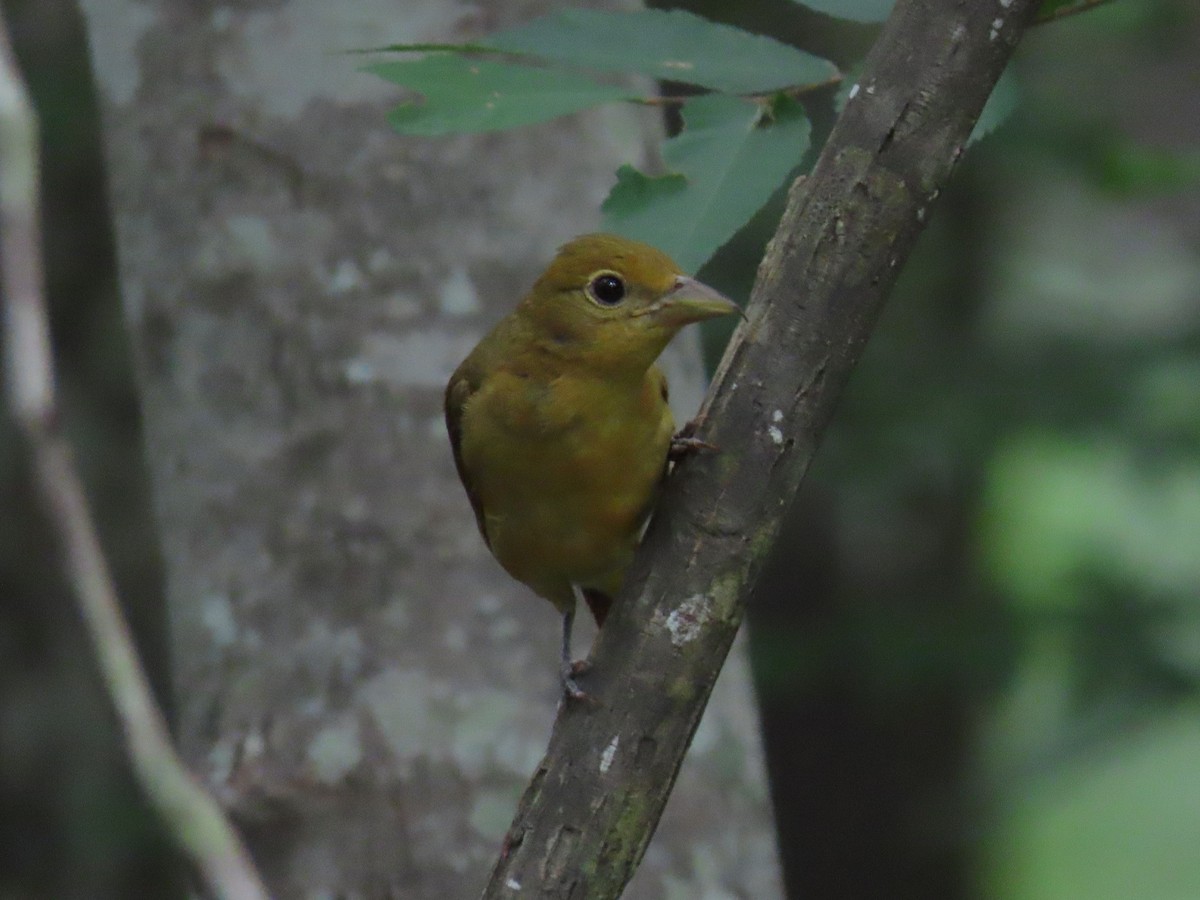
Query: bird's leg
[[579, 666], [567, 670], [685, 442]]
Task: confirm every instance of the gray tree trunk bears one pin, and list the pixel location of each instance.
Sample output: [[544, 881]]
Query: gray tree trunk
[[358, 681]]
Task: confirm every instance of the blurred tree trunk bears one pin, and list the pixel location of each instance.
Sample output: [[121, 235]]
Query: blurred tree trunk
[[362, 686], [875, 641]]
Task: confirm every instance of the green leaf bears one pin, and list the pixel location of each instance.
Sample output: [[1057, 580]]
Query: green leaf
[[854, 10], [463, 95], [425, 48], [674, 46], [728, 161]]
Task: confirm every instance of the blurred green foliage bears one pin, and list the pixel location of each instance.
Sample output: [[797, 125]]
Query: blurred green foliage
[[1006, 511]]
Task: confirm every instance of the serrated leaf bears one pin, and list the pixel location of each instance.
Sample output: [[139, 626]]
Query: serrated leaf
[[461, 94], [724, 165], [425, 48], [854, 10], [671, 45]]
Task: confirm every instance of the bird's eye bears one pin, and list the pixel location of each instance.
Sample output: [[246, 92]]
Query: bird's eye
[[607, 289]]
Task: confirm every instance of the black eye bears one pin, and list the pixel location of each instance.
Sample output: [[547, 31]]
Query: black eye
[[607, 289]]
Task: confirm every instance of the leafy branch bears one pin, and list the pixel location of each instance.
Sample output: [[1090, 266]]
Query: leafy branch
[[742, 138], [567, 62]]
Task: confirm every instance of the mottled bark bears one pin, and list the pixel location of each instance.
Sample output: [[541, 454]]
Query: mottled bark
[[593, 804], [357, 680]]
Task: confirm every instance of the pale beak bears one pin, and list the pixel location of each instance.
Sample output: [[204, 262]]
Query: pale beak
[[690, 301]]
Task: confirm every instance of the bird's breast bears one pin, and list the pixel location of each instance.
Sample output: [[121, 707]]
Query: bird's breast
[[566, 469]]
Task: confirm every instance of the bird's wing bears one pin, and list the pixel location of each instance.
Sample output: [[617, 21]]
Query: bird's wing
[[462, 385]]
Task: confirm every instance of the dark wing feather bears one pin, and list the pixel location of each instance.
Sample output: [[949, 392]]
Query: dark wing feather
[[462, 385], [599, 603]]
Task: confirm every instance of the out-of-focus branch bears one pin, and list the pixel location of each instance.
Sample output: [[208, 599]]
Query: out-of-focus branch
[[190, 815]]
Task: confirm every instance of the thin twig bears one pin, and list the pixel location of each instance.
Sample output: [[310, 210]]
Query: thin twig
[[188, 812], [793, 92], [1064, 12]]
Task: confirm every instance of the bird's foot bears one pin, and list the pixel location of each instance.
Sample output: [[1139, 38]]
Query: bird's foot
[[567, 670], [571, 688], [685, 442]]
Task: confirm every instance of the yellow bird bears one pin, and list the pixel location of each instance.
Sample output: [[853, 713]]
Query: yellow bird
[[560, 425]]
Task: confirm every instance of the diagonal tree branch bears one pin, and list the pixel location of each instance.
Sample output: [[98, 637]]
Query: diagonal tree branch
[[191, 817], [587, 816]]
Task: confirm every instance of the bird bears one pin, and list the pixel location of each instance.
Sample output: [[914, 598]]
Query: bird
[[560, 426]]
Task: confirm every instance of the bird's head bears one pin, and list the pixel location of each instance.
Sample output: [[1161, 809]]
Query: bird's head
[[616, 302]]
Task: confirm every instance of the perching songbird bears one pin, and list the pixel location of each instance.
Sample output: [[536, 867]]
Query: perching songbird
[[560, 425]]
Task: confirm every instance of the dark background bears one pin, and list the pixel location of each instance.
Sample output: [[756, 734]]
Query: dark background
[[978, 649]]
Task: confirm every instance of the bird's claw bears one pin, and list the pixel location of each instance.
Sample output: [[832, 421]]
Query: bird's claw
[[572, 691], [571, 688], [685, 443]]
